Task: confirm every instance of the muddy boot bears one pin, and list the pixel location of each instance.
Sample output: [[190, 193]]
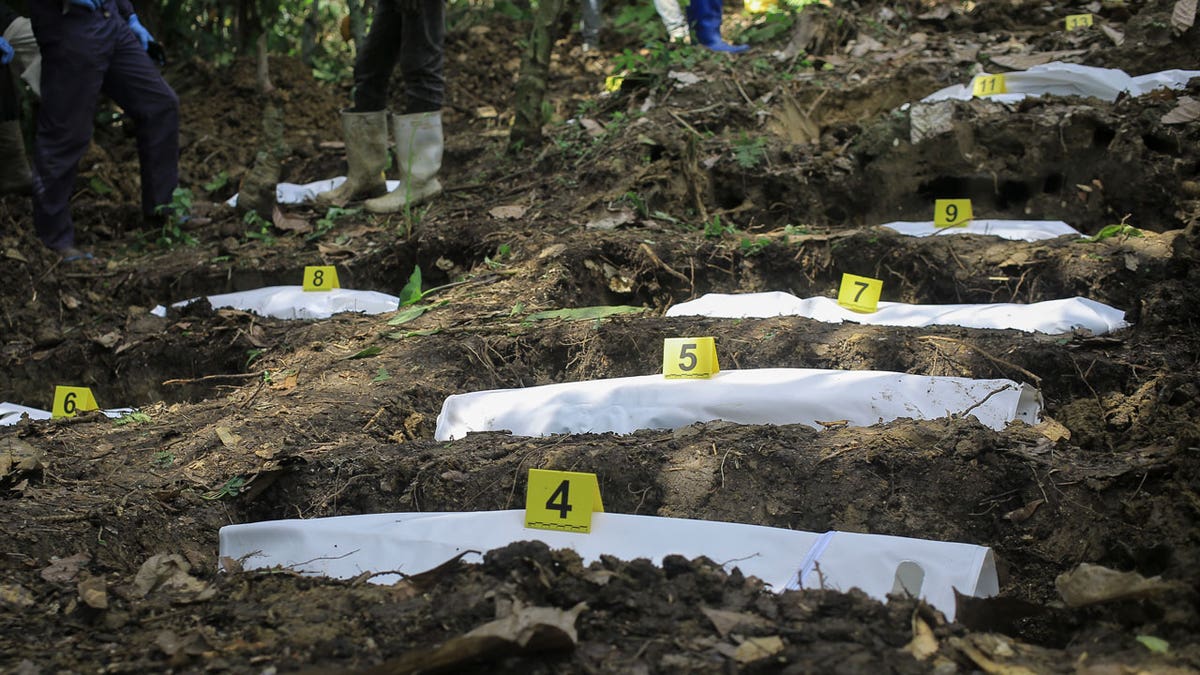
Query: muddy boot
[[15, 177], [419, 154], [366, 153]]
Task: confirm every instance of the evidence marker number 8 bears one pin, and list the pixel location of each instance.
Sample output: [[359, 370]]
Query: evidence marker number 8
[[690, 358], [320, 278]]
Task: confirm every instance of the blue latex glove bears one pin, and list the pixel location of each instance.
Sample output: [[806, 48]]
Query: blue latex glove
[[89, 5], [6, 52], [139, 30]]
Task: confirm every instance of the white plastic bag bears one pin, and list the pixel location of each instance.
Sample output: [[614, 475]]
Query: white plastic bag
[[293, 302], [10, 413], [761, 396], [1051, 316], [346, 546]]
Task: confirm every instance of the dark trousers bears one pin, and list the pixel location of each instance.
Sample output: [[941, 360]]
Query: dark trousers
[[410, 32], [85, 54]]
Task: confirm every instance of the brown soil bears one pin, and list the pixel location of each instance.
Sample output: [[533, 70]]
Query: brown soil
[[311, 433]]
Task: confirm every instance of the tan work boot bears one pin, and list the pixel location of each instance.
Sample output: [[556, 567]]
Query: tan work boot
[[366, 152], [419, 153], [15, 177]]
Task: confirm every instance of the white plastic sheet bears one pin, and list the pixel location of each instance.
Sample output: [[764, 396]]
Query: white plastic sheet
[[1015, 230], [293, 302], [346, 546], [292, 193], [760, 396], [10, 413], [1051, 316], [1070, 79]]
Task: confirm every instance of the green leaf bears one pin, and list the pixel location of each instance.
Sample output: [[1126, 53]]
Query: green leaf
[[1109, 231], [413, 312], [99, 186], [1156, 645], [411, 293], [400, 335], [366, 353], [382, 376], [582, 313]]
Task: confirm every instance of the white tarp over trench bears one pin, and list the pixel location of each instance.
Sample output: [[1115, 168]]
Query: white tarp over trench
[[755, 396], [293, 302], [1015, 230], [1070, 79], [1051, 316], [10, 413], [346, 546]]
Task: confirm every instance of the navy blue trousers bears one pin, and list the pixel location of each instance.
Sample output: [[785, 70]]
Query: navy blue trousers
[[86, 53]]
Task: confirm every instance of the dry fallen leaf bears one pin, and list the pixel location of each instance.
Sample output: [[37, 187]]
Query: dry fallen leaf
[[923, 644], [1089, 584], [726, 622], [62, 570], [94, 592], [228, 438], [508, 211], [1025, 512], [756, 648], [1187, 110], [169, 573], [289, 223]]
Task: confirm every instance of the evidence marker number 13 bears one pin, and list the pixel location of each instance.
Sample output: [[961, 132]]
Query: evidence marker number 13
[[562, 500]]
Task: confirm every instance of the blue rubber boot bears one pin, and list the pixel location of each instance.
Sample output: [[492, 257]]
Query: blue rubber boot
[[704, 16]]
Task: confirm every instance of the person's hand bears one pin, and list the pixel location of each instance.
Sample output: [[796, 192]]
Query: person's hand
[[6, 52], [139, 30], [89, 5]]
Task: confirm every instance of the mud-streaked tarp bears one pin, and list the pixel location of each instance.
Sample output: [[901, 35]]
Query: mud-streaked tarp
[[294, 193], [755, 396], [1050, 316], [293, 302], [1015, 230], [347, 546], [10, 413]]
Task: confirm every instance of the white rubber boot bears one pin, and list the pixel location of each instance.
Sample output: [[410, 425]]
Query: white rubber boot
[[366, 137], [419, 155]]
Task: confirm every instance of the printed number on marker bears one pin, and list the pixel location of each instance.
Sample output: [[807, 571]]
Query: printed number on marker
[[987, 85], [563, 507], [687, 356], [1075, 21], [69, 406], [865, 286]]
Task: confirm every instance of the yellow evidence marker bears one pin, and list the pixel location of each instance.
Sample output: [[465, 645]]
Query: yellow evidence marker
[[952, 212], [320, 278], [988, 85], [71, 400], [1077, 21], [690, 358], [860, 294], [562, 500]]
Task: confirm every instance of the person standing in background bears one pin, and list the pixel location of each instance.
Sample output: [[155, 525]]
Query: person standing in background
[[18, 56], [91, 47]]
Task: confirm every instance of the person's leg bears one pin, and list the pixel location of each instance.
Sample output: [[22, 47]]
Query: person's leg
[[375, 62], [422, 56], [26, 56], [673, 19], [135, 84], [73, 71], [592, 23]]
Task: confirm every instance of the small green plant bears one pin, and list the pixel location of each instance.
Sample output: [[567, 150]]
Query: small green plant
[[749, 152], [135, 417], [382, 375], [163, 458], [794, 230], [253, 355], [260, 228], [1121, 229], [218, 181], [714, 229], [753, 246], [329, 221], [174, 215], [502, 253]]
